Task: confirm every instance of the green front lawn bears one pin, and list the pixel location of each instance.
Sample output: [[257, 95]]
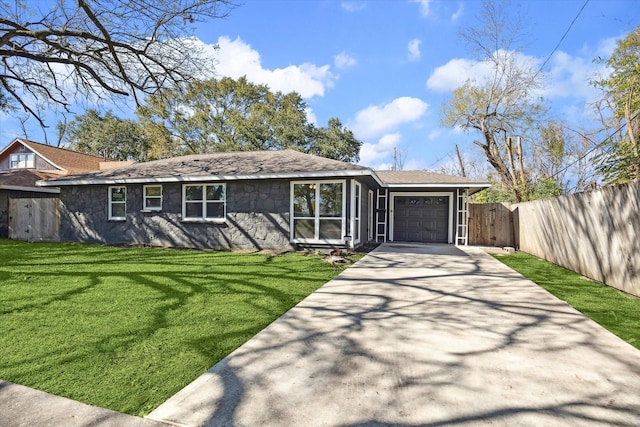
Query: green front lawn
[[615, 310], [126, 328]]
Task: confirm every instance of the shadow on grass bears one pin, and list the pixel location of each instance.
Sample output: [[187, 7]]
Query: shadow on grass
[[126, 328], [422, 339]]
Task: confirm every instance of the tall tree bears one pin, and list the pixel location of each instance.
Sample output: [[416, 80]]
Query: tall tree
[[55, 53], [237, 115], [621, 159], [503, 103], [560, 160], [334, 142], [107, 136]]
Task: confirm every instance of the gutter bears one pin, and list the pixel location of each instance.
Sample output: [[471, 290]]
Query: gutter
[[32, 189]]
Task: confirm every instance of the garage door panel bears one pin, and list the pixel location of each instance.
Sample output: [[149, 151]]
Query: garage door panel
[[421, 219]]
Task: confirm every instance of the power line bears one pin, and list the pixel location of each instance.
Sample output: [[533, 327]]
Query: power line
[[595, 147], [562, 38]]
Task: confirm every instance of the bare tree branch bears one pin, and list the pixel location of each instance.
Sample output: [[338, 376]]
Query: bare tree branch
[[90, 49]]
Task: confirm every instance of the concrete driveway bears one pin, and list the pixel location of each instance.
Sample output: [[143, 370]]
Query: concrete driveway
[[421, 335]]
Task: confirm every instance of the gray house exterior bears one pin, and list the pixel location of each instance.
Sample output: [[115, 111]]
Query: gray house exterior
[[275, 200]]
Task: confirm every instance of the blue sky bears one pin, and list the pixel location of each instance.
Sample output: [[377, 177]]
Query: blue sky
[[384, 67]]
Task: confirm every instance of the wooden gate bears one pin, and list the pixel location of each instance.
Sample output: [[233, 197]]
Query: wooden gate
[[490, 224], [34, 219]]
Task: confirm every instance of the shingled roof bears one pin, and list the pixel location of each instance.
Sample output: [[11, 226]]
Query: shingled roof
[[66, 160], [257, 165], [23, 179], [219, 166], [409, 177]]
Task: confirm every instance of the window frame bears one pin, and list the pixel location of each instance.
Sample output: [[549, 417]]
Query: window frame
[[29, 161], [111, 203], [204, 201], [371, 216], [145, 198], [317, 217], [356, 211]]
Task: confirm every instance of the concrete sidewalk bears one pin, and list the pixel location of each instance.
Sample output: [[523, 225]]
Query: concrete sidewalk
[[22, 406], [421, 335]]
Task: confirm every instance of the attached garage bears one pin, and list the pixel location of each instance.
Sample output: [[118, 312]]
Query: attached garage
[[421, 218], [421, 206]]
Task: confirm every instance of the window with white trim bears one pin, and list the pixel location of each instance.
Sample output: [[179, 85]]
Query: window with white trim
[[370, 224], [23, 161], [318, 211], [204, 202], [356, 209], [117, 203], [152, 197]]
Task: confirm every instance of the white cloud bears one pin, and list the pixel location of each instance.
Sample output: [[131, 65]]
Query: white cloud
[[454, 73], [458, 13], [235, 59], [607, 46], [570, 76], [435, 134], [457, 71], [353, 6], [311, 116], [344, 60], [372, 154], [414, 49], [424, 7], [376, 120], [414, 164]]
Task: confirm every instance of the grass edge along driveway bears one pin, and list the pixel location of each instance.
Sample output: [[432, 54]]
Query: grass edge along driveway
[[616, 311], [126, 328]]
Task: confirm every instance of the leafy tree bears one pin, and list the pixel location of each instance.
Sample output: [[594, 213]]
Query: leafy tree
[[497, 193], [237, 115], [107, 136], [225, 115], [559, 160], [621, 159], [501, 104], [334, 142], [95, 49], [545, 188]]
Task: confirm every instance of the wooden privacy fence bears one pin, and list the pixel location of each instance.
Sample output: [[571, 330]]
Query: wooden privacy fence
[[490, 224], [594, 233], [34, 218]]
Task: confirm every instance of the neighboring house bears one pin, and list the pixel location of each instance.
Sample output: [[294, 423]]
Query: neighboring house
[[277, 200], [27, 211]]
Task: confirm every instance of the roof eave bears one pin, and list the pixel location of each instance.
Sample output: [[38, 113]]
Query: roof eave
[[208, 178], [31, 189], [480, 185]]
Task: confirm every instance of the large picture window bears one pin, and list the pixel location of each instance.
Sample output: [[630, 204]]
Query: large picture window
[[204, 202], [117, 203], [318, 212]]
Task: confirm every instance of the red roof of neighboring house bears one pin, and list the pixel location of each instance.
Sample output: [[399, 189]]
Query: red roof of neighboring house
[[66, 160]]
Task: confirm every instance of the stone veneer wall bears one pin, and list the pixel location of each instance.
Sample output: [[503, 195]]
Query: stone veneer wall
[[257, 218]]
